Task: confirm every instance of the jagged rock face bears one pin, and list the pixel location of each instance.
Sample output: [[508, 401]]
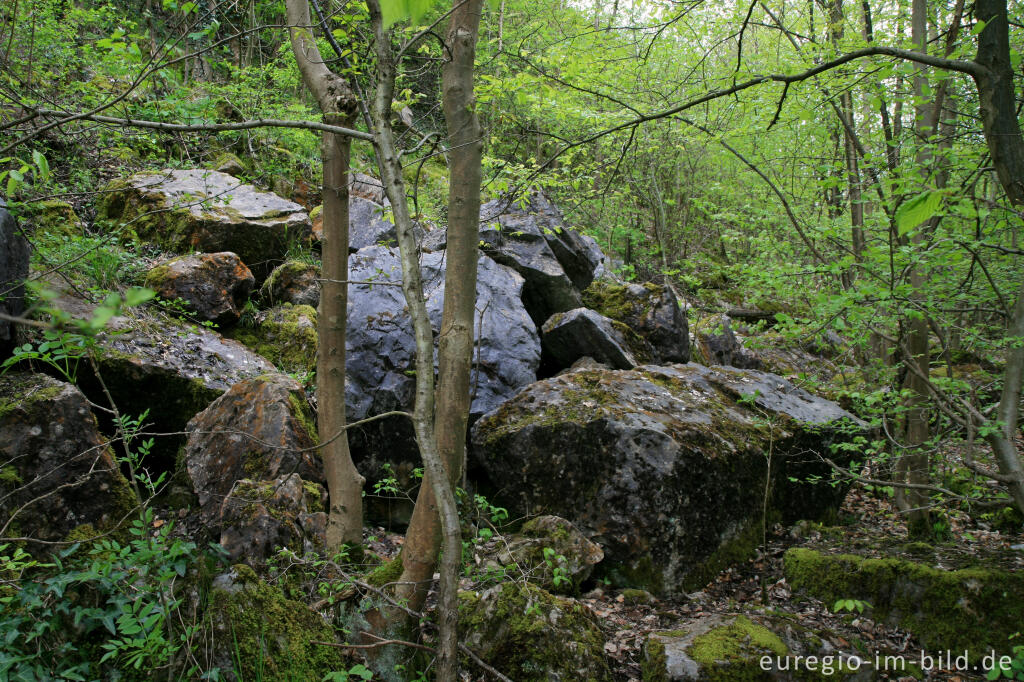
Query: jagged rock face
[[366, 187], [260, 429], [216, 286], [381, 346], [663, 466], [579, 333], [292, 282], [207, 211], [52, 452], [516, 238], [532, 635], [648, 316], [260, 517], [286, 335], [14, 257]]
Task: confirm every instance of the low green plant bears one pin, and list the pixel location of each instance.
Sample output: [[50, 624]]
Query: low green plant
[[1012, 670], [356, 672], [556, 561], [85, 613], [851, 605]]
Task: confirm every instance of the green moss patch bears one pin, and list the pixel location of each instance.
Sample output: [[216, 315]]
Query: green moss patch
[[970, 609]]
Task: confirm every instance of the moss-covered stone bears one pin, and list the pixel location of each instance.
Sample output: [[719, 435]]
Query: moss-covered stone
[[386, 573], [972, 609], [530, 634], [285, 335], [54, 216], [268, 636]]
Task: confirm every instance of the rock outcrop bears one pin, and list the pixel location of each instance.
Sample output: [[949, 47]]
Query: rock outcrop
[[206, 211], [664, 466], [260, 429], [57, 473], [215, 286]]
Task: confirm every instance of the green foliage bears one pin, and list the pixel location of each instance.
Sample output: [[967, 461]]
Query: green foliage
[[851, 605], [1012, 670], [86, 612]]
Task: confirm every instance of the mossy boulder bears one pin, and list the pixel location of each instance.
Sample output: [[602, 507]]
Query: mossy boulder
[[292, 282], [268, 637], [969, 609], [259, 429], [215, 286], [58, 472], [647, 315], [530, 634], [260, 517], [54, 216], [665, 467], [550, 552], [768, 646], [286, 335], [715, 343], [184, 211]]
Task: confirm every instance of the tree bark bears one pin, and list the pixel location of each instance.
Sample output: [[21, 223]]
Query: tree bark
[[913, 465], [390, 167], [455, 342], [344, 483]]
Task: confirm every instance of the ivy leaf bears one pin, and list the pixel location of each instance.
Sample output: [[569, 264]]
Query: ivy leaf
[[913, 212]]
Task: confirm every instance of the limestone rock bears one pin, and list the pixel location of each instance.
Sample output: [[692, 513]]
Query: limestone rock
[[381, 347], [260, 517], [532, 635], [664, 467], [368, 224], [516, 239], [567, 337], [648, 316], [366, 187], [292, 282], [260, 429], [207, 211], [56, 471], [14, 257], [216, 286]]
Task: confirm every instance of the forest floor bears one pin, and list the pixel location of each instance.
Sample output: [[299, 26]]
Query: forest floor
[[870, 526]]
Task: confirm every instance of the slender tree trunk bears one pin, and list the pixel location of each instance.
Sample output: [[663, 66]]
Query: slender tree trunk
[[914, 464], [390, 167], [455, 342], [344, 483]]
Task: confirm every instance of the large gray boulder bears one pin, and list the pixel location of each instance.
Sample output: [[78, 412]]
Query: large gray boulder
[[57, 473], [369, 223], [664, 466], [516, 238], [14, 256], [381, 346], [200, 210]]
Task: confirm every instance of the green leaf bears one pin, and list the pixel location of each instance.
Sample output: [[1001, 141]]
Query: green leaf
[[393, 11], [42, 164], [913, 212], [138, 295]]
